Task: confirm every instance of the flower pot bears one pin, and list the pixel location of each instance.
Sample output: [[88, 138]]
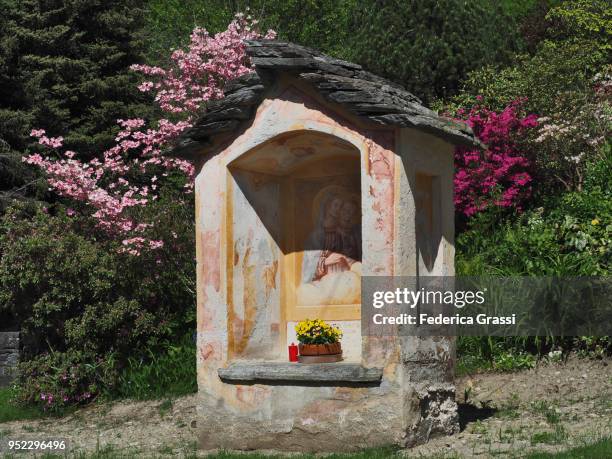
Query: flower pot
[[320, 349]]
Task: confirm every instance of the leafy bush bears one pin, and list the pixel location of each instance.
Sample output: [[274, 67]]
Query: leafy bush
[[48, 273], [568, 82], [576, 46], [556, 69], [429, 47], [56, 380], [83, 306], [582, 20], [477, 353], [592, 346], [513, 361], [569, 235]]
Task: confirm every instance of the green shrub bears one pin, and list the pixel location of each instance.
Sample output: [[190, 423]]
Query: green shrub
[[83, 306], [429, 47], [566, 82], [582, 20], [569, 235], [556, 69], [592, 346], [56, 380], [70, 292], [513, 361], [478, 353], [575, 48], [49, 275]]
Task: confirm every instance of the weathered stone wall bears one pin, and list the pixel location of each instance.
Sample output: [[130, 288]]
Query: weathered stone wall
[[9, 356], [427, 362], [303, 418]]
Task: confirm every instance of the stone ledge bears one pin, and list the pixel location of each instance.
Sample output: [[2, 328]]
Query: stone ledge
[[262, 371]]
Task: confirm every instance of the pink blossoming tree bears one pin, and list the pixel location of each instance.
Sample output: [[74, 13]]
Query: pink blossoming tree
[[126, 175], [497, 176]]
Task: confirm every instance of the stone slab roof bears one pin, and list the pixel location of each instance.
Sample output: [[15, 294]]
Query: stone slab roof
[[370, 97]]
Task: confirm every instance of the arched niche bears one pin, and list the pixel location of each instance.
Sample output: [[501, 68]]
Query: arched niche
[[293, 219]]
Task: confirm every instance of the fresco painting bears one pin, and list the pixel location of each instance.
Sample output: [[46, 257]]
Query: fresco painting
[[328, 235]]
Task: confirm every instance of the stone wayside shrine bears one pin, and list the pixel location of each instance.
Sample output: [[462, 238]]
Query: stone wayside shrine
[[305, 151]]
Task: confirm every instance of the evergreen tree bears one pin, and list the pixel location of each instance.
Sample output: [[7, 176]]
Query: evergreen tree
[[14, 120], [430, 46], [64, 67]]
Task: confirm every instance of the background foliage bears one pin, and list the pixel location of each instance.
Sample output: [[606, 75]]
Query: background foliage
[[426, 46], [84, 308], [64, 65]]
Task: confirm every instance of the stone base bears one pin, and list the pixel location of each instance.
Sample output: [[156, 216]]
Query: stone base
[[313, 418], [321, 426]]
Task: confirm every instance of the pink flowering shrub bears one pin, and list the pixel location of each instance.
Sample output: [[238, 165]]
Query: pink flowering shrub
[[127, 176], [57, 380], [499, 175], [83, 310]]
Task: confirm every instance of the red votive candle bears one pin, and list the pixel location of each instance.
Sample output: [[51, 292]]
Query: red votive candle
[[293, 353]]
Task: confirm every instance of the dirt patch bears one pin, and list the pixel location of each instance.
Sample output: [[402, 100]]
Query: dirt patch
[[161, 427], [552, 407]]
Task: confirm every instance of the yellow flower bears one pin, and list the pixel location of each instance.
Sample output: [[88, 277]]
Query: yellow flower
[[310, 329], [595, 221]]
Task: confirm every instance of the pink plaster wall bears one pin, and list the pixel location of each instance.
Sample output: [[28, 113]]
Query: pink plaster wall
[[291, 111]]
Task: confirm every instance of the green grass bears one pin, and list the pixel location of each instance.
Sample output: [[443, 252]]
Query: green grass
[[597, 450], [543, 408], [159, 375], [11, 411], [476, 354], [511, 409], [164, 407], [553, 437], [601, 449], [114, 453], [371, 453]]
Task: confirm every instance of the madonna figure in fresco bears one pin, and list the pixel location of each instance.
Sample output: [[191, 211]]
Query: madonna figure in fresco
[[331, 266]]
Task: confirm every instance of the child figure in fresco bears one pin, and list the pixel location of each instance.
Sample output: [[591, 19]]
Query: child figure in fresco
[[332, 259]]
